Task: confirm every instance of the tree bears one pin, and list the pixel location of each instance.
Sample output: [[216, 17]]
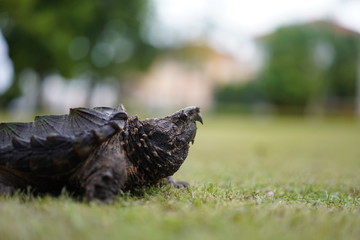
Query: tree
[[308, 66], [99, 38]]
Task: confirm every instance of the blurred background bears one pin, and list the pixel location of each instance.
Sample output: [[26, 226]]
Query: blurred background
[[287, 57]]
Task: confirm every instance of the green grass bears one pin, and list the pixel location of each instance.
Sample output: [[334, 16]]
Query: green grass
[[251, 178]]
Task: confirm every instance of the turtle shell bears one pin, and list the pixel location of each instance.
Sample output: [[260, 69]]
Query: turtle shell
[[55, 144]]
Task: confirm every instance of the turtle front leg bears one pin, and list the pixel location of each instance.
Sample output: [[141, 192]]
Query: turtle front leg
[[104, 184], [103, 174], [170, 180]]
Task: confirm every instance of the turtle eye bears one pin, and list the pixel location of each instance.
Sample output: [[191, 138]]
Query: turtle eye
[[120, 116], [183, 117]]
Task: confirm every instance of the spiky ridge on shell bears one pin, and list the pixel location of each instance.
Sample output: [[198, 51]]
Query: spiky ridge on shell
[[54, 144]]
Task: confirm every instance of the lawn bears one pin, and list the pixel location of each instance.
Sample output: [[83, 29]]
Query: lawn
[[251, 178]]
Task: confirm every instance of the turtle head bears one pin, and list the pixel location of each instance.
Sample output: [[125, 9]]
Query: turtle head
[[169, 137]]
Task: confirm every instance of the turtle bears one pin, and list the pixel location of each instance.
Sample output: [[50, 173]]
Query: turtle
[[94, 153]]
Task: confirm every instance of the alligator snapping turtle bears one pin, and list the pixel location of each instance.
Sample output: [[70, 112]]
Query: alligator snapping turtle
[[94, 153]]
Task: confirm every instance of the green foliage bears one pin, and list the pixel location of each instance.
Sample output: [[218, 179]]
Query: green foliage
[[97, 38], [245, 93], [304, 64], [250, 178], [284, 76], [310, 62]]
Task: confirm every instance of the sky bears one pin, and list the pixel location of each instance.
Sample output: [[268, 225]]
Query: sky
[[6, 68], [229, 25]]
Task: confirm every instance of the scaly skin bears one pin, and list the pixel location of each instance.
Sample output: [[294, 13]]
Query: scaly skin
[[156, 148]]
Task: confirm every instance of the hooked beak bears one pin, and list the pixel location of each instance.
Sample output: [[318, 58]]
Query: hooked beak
[[198, 118], [194, 114]]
